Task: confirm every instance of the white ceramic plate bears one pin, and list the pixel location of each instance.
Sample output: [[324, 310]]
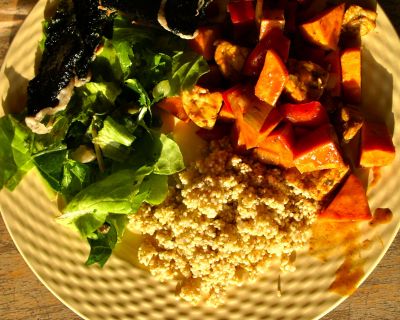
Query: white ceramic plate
[[120, 290]]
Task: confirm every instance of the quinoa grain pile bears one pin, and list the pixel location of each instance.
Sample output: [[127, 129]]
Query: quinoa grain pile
[[225, 221]]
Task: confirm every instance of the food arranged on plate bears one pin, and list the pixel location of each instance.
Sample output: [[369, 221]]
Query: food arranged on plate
[[225, 133]]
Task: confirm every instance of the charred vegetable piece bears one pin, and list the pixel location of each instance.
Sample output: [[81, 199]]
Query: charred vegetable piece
[[72, 38], [350, 204], [182, 17]]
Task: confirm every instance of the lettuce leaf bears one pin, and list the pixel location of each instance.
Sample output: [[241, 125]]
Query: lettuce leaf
[[15, 152]]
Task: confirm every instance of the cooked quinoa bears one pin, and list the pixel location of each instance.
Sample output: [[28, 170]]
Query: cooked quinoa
[[224, 222]]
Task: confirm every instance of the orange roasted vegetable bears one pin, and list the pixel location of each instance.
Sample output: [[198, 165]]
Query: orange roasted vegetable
[[203, 43], [249, 111], [226, 113], [277, 148], [272, 79], [350, 204], [272, 18], [202, 106], [377, 148], [351, 75], [318, 150], [174, 106], [324, 29]]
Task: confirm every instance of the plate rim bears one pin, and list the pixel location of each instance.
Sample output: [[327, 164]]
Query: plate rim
[[333, 306]]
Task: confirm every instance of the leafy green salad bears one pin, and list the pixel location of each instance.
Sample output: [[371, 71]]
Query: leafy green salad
[[110, 119]]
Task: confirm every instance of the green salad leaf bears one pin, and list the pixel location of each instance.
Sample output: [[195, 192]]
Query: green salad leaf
[[111, 117], [15, 152]]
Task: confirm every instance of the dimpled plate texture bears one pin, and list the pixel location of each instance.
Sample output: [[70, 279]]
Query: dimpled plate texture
[[121, 291]]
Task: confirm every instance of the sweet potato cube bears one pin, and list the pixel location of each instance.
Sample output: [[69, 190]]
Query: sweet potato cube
[[174, 106], [277, 148], [272, 79], [272, 18], [311, 114], [202, 106], [351, 75], [377, 149], [275, 40], [324, 30], [318, 150], [350, 204], [203, 43]]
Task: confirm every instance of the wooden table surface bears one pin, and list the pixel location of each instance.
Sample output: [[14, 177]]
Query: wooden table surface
[[22, 295]]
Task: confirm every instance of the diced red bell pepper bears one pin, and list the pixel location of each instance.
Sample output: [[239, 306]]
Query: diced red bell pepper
[[332, 61], [275, 40], [377, 149], [350, 204], [274, 118], [318, 150], [311, 114], [241, 11], [278, 147], [272, 79]]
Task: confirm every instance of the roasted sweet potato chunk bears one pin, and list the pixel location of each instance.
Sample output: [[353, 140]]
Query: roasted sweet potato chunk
[[324, 30], [351, 75], [318, 150], [203, 43], [272, 79], [350, 204], [174, 106], [273, 39], [377, 149], [271, 19]]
